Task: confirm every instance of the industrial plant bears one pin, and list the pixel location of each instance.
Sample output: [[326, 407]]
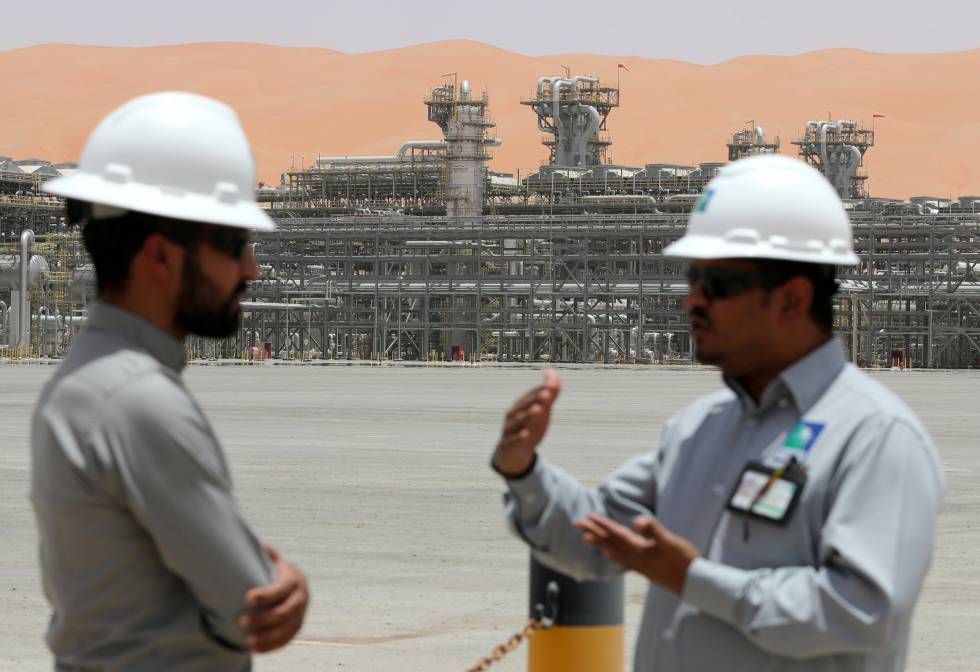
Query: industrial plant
[[428, 255]]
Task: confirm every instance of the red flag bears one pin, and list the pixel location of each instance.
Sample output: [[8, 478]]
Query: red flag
[[623, 66], [878, 116]]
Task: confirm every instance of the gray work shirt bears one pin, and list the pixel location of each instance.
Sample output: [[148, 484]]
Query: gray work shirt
[[145, 557], [832, 589]]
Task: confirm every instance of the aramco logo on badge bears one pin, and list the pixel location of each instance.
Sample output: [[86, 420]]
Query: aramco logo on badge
[[802, 436]]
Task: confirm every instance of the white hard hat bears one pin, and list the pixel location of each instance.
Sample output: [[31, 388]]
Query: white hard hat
[[172, 154], [768, 207]]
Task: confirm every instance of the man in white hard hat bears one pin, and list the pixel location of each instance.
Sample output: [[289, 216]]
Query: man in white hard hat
[[145, 556], [785, 522]]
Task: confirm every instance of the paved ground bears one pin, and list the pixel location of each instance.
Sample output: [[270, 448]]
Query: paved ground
[[375, 481]]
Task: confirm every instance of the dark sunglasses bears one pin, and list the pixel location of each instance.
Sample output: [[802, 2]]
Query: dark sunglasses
[[719, 282], [226, 240]]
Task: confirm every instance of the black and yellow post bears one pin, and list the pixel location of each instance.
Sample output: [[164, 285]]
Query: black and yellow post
[[587, 634]]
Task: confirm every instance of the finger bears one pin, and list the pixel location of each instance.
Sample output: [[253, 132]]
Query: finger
[[589, 523], [520, 418], [273, 593], [608, 524], [617, 535], [274, 638], [538, 394], [592, 534], [536, 406], [275, 615], [650, 527], [552, 381], [514, 441], [272, 553]]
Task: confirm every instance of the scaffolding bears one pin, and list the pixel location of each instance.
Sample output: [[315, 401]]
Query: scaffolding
[[583, 288]]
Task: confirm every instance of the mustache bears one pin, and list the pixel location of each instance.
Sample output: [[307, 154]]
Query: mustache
[[233, 297]]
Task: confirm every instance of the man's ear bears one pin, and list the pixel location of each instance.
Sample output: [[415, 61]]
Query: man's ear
[[160, 259], [796, 297]]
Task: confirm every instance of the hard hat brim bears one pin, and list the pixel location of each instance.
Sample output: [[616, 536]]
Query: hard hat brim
[[712, 247], [189, 206]]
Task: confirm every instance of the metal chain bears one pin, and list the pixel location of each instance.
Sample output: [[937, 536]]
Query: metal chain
[[501, 651]]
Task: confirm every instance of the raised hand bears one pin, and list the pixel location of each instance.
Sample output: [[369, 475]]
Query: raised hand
[[525, 425]]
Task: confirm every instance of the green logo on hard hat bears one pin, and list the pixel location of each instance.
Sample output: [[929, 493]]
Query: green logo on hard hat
[[702, 203]]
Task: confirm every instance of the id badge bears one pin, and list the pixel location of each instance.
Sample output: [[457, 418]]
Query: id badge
[[770, 497]]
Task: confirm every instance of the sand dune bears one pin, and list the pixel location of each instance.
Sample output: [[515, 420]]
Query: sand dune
[[296, 102]]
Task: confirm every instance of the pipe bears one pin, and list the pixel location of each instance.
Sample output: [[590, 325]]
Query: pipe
[[3, 317], [420, 144], [759, 136], [26, 238], [541, 81], [323, 160], [624, 199], [577, 79], [261, 305], [464, 90], [823, 145], [591, 128], [855, 160], [556, 85]]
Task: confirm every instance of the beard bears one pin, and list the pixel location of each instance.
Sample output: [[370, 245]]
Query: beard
[[200, 308]]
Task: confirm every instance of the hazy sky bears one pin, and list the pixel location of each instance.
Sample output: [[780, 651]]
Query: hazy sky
[[700, 31]]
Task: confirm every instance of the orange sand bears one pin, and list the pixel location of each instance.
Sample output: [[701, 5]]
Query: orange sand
[[295, 102]]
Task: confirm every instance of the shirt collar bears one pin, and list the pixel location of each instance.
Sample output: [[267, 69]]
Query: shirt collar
[[805, 380], [159, 344]]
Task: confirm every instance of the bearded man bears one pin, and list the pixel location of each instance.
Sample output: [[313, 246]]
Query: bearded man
[[145, 556]]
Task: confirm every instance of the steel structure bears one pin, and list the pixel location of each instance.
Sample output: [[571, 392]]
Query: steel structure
[[837, 148], [425, 255], [583, 288], [751, 141], [573, 112], [23, 206]]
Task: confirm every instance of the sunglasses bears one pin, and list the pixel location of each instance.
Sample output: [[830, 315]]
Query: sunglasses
[[719, 282], [226, 240]]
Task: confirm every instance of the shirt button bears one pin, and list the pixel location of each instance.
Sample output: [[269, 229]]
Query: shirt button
[[782, 403], [717, 489]]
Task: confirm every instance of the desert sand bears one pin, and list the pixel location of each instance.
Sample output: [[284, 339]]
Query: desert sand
[[297, 102]]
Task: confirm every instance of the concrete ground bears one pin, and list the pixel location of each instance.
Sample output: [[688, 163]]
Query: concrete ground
[[375, 481]]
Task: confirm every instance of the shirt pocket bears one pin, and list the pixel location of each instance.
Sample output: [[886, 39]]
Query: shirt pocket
[[752, 543]]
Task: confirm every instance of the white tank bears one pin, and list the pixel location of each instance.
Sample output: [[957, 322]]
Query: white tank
[[10, 271]]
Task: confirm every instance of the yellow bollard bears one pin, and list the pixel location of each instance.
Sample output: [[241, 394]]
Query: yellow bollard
[[587, 635]]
